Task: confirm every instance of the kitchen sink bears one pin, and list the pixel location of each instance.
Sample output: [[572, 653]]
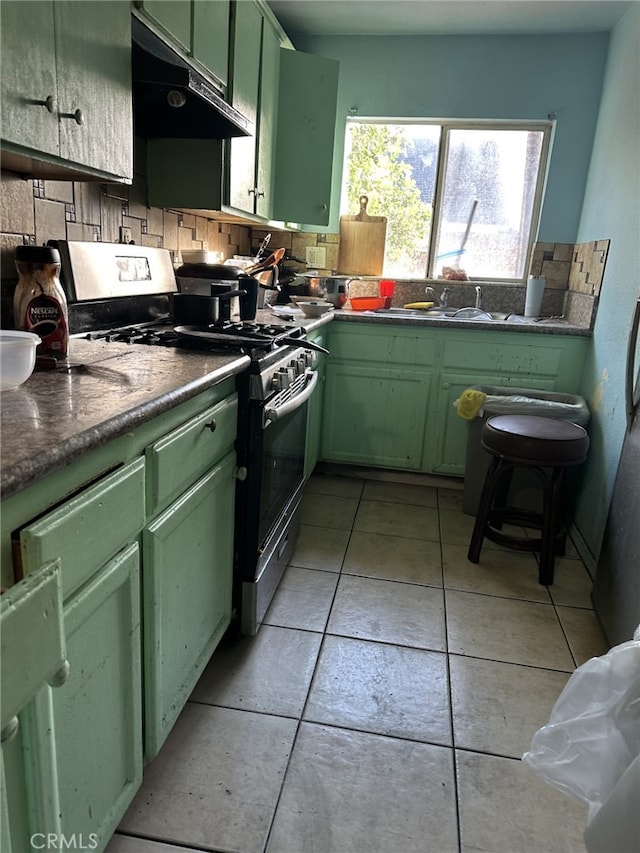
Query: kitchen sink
[[446, 314]]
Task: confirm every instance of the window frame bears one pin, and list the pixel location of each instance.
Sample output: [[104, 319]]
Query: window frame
[[545, 126]]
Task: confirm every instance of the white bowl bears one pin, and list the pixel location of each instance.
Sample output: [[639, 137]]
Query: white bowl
[[17, 357], [314, 308]]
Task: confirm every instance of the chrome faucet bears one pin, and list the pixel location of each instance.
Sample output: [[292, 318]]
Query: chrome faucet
[[444, 298], [478, 296], [430, 293]]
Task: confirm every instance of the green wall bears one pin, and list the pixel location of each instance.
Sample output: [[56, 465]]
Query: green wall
[[612, 210], [504, 77]]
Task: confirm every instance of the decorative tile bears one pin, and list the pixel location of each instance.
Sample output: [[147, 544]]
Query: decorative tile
[[16, 206], [50, 221], [59, 191]]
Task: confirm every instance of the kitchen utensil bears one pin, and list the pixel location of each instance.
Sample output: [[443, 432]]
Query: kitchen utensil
[[315, 309], [207, 333], [367, 303], [362, 240], [196, 308], [271, 260], [386, 289], [17, 357], [333, 289]]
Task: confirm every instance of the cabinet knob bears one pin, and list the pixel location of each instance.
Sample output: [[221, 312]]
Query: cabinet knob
[[10, 730], [446, 385], [48, 103], [211, 425], [77, 116], [60, 676], [323, 207]]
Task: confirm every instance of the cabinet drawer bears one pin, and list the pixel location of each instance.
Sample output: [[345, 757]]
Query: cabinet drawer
[[503, 358], [86, 531], [33, 646], [369, 343], [177, 460]]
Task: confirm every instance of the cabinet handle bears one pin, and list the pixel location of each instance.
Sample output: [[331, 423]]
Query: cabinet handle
[[446, 385], [60, 676], [10, 730], [252, 191], [77, 116], [48, 103], [260, 195], [211, 425], [323, 207]]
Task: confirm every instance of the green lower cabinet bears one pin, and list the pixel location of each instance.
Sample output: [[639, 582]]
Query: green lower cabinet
[[446, 452], [78, 755], [188, 557], [390, 391], [374, 416]]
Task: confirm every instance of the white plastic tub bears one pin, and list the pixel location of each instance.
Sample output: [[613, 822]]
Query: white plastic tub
[[17, 357]]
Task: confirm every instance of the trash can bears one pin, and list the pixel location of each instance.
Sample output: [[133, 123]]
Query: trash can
[[501, 400]]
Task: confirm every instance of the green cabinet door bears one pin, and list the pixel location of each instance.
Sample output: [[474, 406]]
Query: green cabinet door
[[188, 557], [245, 86], [210, 43], [265, 161], [374, 416], [25, 87], [97, 713], [81, 743], [174, 16], [307, 102], [78, 63]]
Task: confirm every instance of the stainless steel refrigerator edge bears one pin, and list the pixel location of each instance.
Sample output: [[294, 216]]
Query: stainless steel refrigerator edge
[[616, 590]]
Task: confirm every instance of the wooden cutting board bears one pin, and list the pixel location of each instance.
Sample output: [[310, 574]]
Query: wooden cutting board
[[362, 239]]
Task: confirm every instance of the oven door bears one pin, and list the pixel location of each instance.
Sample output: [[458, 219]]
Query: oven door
[[267, 514]]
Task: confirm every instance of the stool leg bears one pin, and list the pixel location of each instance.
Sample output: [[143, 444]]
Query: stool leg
[[491, 481], [550, 525]]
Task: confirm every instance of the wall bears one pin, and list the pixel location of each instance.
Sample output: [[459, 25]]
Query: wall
[[500, 77], [612, 208]]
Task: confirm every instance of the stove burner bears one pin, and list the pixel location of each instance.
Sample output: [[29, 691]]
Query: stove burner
[[227, 336]]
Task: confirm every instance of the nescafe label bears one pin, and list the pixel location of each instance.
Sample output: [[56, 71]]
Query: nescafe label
[[46, 318]]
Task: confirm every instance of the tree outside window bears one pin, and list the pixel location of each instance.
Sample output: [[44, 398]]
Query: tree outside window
[[461, 195]]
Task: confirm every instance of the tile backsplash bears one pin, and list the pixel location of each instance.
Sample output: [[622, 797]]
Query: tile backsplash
[[34, 211]]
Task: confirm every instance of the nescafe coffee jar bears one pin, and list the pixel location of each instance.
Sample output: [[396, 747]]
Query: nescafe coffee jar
[[39, 303]]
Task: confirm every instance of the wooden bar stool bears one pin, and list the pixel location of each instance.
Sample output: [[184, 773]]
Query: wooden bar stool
[[545, 446]]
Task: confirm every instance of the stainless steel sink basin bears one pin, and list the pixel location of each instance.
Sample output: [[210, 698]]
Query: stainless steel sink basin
[[445, 314]]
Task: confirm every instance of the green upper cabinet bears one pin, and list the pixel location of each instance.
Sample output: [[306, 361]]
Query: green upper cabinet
[[308, 92], [66, 101], [256, 55], [199, 28]]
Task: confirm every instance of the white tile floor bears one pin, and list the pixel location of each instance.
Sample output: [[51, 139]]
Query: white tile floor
[[384, 705]]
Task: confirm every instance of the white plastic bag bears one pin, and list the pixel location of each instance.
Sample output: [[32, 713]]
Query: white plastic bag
[[593, 734]]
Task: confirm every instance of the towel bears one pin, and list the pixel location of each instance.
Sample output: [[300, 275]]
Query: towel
[[470, 403]]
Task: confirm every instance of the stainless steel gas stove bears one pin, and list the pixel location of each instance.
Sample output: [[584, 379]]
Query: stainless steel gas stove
[[124, 293]]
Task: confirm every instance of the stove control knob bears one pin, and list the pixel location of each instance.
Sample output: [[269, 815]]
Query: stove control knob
[[280, 380], [301, 365], [311, 358]]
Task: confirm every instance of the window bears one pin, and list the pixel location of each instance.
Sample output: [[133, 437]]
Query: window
[[462, 198]]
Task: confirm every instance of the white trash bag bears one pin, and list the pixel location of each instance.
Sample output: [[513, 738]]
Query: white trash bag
[[592, 741]]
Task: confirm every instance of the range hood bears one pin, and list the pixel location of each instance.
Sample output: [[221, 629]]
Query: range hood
[[172, 99]]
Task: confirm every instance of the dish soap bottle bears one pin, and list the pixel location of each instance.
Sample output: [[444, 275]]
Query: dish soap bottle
[[39, 303]]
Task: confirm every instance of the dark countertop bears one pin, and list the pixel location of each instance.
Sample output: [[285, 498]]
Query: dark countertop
[[56, 416], [514, 324]]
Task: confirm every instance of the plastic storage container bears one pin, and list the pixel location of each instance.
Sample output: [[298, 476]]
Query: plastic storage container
[[503, 400]]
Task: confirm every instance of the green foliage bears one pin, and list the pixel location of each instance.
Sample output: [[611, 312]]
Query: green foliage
[[375, 169]]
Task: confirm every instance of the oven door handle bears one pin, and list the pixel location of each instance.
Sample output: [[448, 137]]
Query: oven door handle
[[277, 413]]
